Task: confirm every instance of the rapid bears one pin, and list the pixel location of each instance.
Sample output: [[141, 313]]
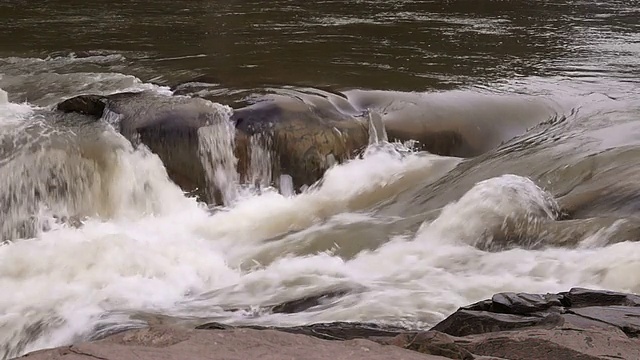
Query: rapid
[[97, 238]]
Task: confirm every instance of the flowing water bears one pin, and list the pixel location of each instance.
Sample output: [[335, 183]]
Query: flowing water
[[97, 238]]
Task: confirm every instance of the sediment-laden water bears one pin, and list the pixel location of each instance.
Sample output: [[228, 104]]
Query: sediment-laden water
[[97, 237]]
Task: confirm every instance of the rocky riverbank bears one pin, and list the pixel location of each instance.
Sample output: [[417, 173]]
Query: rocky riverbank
[[580, 324]]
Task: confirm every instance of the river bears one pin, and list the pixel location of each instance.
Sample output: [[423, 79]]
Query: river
[[398, 236]]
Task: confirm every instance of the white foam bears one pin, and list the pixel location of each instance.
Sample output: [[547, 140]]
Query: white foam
[[158, 262], [487, 205], [355, 185], [12, 113]]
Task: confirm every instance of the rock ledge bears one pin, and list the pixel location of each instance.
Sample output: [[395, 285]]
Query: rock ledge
[[580, 324]]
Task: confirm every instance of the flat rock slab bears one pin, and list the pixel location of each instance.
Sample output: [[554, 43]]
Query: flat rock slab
[[528, 344], [626, 318], [466, 322], [172, 343], [555, 344], [579, 297]]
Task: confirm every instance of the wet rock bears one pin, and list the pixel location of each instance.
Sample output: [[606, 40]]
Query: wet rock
[[524, 303], [301, 140], [578, 324], [304, 140], [467, 322], [236, 344], [579, 297], [167, 125], [92, 105], [509, 311], [512, 303], [313, 302], [308, 302]]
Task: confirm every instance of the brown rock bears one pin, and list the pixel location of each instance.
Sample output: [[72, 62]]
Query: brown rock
[[305, 140], [302, 140], [238, 344], [433, 343]]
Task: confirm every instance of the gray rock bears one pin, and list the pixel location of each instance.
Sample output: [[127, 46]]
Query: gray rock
[[509, 311], [511, 303], [626, 318], [578, 297], [579, 324], [467, 322], [556, 344]]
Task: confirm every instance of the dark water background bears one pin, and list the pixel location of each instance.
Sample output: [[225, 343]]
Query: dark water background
[[400, 45]]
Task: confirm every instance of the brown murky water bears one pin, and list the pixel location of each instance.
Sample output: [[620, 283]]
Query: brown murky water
[[399, 45]]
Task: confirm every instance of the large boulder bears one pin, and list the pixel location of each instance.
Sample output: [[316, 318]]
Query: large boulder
[[305, 140], [167, 125], [286, 135]]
